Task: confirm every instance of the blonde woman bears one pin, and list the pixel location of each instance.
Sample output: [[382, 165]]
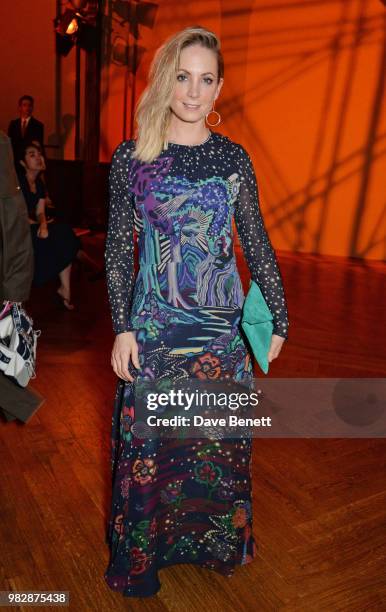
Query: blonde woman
[[180, 183]]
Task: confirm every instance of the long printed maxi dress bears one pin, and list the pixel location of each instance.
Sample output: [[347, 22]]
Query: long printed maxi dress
[[183, 501]]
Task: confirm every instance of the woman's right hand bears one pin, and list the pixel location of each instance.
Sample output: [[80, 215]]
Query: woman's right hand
[[125, 348]]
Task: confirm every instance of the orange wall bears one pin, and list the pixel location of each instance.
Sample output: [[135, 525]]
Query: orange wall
[[28, 66], [303, 87], [302, 93]]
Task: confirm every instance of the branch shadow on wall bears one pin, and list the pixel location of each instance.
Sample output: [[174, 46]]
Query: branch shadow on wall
[[349, 34], [283, 210]]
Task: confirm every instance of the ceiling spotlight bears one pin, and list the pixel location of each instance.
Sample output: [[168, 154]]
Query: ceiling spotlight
[[67, 23], [76, 25], [66, 30], [72, 27]]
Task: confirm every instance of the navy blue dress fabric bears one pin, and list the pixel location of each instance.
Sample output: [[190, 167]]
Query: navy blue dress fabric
[[183, 500], [54, 253]]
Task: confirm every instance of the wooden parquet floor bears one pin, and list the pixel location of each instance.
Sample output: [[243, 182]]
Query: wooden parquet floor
[[319, 505]]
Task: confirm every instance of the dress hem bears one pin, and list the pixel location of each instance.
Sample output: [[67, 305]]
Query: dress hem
[[162, 566]]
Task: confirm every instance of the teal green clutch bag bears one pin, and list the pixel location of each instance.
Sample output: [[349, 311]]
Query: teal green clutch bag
[[257, 323]]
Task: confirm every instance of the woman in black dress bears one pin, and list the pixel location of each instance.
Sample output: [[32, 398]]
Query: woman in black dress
[[55, 244]]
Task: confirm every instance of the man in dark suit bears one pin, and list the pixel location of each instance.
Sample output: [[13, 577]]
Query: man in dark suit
[[26, 128]]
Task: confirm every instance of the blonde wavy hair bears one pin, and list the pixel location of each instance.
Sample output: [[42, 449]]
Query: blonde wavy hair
[[152, 114]]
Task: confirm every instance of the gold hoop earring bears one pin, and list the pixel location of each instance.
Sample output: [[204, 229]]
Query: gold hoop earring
[[216, 113]]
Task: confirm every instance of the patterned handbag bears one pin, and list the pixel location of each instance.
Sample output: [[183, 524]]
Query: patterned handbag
[[18, 340], [257, 323]]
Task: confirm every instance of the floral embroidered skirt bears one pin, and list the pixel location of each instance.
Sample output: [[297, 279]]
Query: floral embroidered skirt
[[179, 500]]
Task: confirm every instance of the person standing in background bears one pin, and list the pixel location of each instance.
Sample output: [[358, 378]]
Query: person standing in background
[[16, 272], [25, 129]]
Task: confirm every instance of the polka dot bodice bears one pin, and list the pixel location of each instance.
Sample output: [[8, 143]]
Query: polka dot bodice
[[181, 207]]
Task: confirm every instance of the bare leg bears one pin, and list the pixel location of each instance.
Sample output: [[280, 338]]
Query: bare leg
[[65, 289]]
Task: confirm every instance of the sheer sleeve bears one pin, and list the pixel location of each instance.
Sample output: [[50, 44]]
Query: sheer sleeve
[[119, 252], [257, 248]]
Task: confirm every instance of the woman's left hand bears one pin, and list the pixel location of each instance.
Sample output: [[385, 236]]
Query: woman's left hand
[[43, 231], [275, 348]]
